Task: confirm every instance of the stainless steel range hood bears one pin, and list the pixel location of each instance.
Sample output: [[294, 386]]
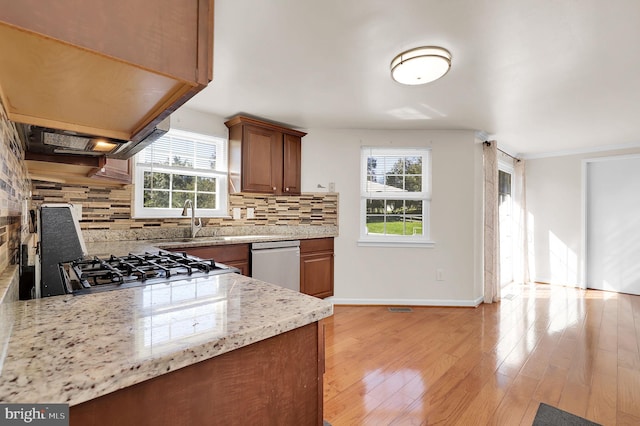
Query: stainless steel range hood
[[50, 141]]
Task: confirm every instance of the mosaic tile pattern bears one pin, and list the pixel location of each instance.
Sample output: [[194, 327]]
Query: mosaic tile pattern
[[14, 189], [110, 208]]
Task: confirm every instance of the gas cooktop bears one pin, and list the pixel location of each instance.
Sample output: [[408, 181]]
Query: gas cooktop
[[118, 272]]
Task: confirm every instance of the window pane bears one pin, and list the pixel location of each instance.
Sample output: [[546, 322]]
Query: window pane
[[394, 206], [183, 153], [375, 183], [413, 165], [413, 183], [375, 224], [154, 180], [206, 201], [413, 207], [394, 165], [394, 183], [156, 199], [395, 225], [375, 165], [184, 182], [156, 156], [375, 207], [178, 198], [414, 225], [206, 156], [206, 184]]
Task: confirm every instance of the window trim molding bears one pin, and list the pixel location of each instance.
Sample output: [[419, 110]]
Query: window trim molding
[[424, 240], [222, 179]]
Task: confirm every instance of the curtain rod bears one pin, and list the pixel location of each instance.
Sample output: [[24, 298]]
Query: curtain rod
[[505, 153]]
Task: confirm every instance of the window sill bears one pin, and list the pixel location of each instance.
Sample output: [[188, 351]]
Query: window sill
[[396, 243]]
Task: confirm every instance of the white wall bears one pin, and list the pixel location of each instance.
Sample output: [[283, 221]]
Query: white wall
[[404, 275], [195, 121], [555, 205]]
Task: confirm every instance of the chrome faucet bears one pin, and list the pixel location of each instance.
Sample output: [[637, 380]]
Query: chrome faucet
[[195, 227]]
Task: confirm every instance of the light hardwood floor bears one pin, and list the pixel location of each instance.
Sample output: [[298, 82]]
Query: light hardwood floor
[[573, 349]]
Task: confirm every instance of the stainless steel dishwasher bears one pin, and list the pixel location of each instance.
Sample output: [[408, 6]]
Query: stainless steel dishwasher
[[277, 262]]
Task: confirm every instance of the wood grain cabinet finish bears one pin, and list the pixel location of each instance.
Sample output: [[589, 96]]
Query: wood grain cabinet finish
[[112, 68], [316, 267], [264, 157], [236, 255], [277, 381], [115, 170]]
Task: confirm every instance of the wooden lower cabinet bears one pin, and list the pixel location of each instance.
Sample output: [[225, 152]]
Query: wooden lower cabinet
[[316, 267], [236, 255], [316, 262], [277, 381]]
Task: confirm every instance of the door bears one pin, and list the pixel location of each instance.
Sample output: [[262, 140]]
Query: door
[[505, 211], [613, 224]]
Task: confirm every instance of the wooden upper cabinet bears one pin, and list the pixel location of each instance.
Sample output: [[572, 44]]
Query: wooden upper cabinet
[[116, 171], [264, 157], [293, 159], [112, 68]]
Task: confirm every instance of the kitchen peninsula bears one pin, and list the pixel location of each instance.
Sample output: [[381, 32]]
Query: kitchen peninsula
[[226, 347]]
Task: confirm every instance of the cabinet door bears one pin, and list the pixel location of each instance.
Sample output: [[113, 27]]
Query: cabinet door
[[316, 274], [242, 266], [112, 68], [316, 267], [291, 167], [261, 160], [236, 255]]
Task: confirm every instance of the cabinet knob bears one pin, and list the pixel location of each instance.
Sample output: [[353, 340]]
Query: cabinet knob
[[286, 190], [274, 188]]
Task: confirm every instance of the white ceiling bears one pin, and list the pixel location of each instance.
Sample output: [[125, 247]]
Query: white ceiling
[[537, 76]]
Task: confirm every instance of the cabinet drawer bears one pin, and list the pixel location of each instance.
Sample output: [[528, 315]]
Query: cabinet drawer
[[316, 244], [222, 254]]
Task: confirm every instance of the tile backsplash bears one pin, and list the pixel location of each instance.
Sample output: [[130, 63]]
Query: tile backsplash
[[14, 190], [109, 208]]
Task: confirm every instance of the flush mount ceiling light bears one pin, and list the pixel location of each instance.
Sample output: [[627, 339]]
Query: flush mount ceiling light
[[420, 65]]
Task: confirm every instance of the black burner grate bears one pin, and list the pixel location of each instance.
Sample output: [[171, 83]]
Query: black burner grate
[[139, 267]]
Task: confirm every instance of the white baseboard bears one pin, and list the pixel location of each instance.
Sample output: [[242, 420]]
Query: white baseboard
[[406, 302]]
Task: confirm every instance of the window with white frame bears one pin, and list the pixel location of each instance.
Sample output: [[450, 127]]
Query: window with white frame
[[395, 195], [180, 166]]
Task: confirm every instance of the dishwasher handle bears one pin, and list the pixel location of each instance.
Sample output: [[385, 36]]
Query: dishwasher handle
[[275, 244]]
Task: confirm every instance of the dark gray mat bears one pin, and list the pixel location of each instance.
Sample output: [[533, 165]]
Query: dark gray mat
[[552, 416]]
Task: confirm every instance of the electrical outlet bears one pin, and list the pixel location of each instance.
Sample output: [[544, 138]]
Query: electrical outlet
[[237, 213], [251, 213], [332, 187], [439, 274]]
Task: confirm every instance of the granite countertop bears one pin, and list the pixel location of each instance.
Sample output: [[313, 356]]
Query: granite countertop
[[120, 248], [99, 245], [69, 349]]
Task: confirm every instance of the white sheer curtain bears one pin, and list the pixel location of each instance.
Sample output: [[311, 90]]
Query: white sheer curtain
[[521, 255], [491, 222]]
